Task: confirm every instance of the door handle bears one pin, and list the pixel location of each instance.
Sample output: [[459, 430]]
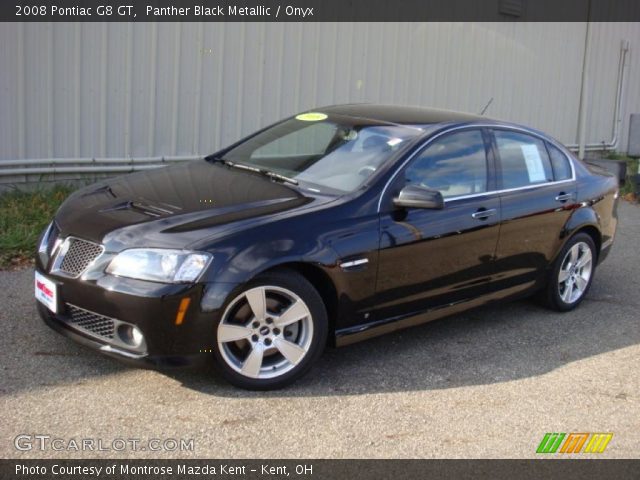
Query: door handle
[[563, 197], [483, 213]]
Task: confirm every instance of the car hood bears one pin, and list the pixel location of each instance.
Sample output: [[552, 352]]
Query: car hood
[[173, 206]]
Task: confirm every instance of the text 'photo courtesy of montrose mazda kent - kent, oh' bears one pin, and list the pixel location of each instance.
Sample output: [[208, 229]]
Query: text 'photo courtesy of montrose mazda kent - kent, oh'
[[329, 227]]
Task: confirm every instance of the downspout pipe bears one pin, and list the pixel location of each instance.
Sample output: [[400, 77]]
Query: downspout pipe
[[617, 113], [584, 84]]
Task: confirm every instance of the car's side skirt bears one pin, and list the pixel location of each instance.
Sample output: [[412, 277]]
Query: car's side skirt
[[358, 333]]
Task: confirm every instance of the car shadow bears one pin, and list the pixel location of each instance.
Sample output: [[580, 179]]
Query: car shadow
[[499, 343], [493, 344], [489, 345], [485, 346]]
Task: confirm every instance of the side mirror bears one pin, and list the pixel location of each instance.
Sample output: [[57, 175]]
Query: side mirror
[[413, 196]]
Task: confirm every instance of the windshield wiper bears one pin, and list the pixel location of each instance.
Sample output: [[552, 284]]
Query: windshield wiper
[[261, 171], [212, 158], [280, 177]]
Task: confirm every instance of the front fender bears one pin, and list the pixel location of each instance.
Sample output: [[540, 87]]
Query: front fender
[[236, 265]]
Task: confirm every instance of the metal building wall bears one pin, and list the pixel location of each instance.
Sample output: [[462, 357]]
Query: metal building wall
[[145, 90], [605, 46]]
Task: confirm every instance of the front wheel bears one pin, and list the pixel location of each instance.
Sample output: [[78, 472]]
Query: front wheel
[[572, 273], [272, 332]]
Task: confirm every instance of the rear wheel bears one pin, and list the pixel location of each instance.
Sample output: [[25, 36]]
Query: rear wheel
[[272, 332], [572, 273]]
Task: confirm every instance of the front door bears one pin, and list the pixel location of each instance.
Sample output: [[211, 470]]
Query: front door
[[431, 258]]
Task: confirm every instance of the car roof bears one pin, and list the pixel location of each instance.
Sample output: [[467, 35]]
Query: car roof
[[401, 114]]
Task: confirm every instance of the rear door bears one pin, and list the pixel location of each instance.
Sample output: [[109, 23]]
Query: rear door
[[538, 193]]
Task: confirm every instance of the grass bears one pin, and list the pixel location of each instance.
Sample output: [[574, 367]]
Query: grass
[[632, 170], [23, 216]]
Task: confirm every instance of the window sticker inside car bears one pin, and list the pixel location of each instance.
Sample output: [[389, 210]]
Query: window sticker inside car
[[534, 162], [311, 117]]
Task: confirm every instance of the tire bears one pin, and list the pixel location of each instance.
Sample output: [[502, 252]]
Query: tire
[[572, 274], [271, 333]]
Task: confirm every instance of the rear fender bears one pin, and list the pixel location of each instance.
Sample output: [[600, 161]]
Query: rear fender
[[581, 218]]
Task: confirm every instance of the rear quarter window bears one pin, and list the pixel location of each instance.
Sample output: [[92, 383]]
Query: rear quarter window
[[559, 163]]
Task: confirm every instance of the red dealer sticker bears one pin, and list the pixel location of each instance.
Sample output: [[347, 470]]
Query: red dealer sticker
[[46, 292]]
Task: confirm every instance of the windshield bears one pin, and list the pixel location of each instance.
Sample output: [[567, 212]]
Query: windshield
[[323, 152]]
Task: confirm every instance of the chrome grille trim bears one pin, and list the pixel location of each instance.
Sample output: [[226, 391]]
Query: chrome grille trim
[[49, 243], [53, 233], [74, 256]]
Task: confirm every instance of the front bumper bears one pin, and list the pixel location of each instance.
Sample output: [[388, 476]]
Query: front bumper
[[150, 306], [131, 358]]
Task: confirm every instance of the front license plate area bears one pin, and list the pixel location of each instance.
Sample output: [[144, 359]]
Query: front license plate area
[[46, 292]]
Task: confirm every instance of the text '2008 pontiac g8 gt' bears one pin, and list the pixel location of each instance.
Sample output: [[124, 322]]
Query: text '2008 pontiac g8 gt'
[[328, 227]]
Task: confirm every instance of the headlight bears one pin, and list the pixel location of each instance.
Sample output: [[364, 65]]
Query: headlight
[[159, 265]]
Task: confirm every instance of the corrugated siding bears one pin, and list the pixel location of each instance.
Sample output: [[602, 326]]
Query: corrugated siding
[[603, 76], [120, 90]]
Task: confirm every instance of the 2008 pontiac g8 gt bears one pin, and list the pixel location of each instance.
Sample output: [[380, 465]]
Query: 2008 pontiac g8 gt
[[328, 227]]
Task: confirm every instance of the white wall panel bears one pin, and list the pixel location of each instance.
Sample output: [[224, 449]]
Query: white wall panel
[[603, 76], [121, 90]]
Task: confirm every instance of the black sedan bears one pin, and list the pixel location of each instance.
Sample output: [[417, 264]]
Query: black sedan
[[332, 226]]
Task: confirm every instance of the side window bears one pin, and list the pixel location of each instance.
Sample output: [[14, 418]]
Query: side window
[[560, 163], [455, 165], [523, 159]]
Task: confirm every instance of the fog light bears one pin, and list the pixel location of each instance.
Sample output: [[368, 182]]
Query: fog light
[[130, 335]]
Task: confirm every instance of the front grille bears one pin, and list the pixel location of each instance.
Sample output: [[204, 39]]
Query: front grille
[[91, 322], [78, 256]]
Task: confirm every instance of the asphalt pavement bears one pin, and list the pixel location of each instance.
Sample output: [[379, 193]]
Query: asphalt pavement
[[488, 383]]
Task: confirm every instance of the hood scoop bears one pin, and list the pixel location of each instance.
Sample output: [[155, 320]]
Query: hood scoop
[[144, 208], [153, 210], [106, 190]]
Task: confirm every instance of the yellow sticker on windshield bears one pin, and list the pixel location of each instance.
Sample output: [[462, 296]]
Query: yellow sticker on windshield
[[311, 117]]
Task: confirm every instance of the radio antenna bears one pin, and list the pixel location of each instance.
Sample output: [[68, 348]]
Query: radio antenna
[[486, 106]]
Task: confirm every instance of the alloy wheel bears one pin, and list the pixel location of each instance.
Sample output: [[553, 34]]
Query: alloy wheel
[[575, 273], [265, 332]]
